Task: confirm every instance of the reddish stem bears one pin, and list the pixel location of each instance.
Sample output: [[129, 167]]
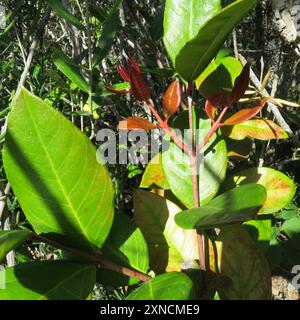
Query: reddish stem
[[215, 126], [163, 124]]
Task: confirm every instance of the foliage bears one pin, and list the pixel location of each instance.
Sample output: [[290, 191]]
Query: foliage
[[192, 214]]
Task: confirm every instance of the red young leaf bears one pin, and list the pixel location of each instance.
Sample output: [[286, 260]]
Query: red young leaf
[[245, 114], [123, 73], [132, 123], [240, 86], [172, 99], [132, 73], [210, 110]]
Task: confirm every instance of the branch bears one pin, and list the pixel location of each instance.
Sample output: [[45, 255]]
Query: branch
[[167, 129], [271, 105], [100, 261]]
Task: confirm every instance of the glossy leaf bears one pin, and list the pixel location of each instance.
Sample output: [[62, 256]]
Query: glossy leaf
[[280, 188], [10, 240], [69, 68], [261, 129], [240, 86], [182, 21], [136, 124], [236, 205], [154, 174], [61, 11], [245, 114], [245, 265], [172, 99], [212, 171], [204, 46], [124, 246], [54, 173], [49, 280], [109, 31], [170, 247], [168, 286], [219, 76]]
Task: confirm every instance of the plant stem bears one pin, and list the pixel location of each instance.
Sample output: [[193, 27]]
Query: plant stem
[[194, 169], [167, 129], [216, 125], [100, 261]]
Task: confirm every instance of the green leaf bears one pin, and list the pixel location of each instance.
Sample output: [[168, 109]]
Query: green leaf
[[182, 21], [54, 173], [245, 265], [212, 172], [65, 14], [49, 280], [261, 129], [279, 187], [10, 240], [288, 212], [291, 227], [69, 68], [154, 174], [204, 46], [109, 30], [124, 246], [236, 205], [170, 247], [219, 76], [261, 232], [168, 286]]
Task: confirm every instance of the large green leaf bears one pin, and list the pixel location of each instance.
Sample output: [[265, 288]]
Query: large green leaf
[[49, 280], [125, 246], [236, 205], [197, 53], [168, 286], [69, 68], [242, 262], [280, 188], [170, 247], [154, 174], [10, 240], [54, 173], [65, 14], [219, 76], [182, 21], [212, 171]]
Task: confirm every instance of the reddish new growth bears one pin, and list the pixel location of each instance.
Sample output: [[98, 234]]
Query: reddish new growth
[[138, 85], [222, 102]]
